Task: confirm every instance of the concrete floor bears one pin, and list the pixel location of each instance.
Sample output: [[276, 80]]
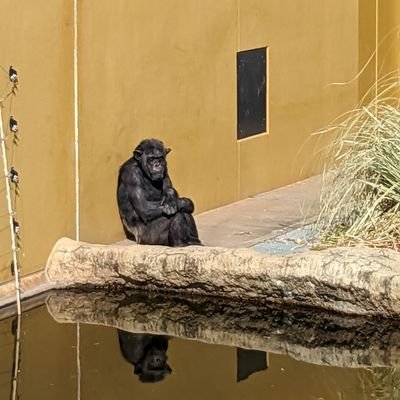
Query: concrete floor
[[262, 217], [270, 222]]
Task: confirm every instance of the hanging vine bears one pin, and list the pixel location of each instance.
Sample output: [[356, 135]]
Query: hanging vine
[[11, 176]]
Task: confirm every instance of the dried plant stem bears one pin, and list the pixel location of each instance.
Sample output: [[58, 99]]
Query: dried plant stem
[[360, 202]]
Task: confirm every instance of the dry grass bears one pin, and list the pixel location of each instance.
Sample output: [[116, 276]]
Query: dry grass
[[360, 201]]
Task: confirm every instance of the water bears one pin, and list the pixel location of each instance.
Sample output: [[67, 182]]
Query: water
[[216, 350]]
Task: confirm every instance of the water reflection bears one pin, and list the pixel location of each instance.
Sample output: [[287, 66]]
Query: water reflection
[[249, 362], [16, 332], [200, 370], [147, 353], [307, 335]]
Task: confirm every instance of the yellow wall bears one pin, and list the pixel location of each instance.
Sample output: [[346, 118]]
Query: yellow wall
[[389, 35], [389, 43], [171, 73], [168, 70], [311, 45], [367, 61], [36, 38], [379, 43]]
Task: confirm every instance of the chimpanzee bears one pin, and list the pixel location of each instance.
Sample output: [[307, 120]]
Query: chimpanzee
[[147, 353], [150, 209]]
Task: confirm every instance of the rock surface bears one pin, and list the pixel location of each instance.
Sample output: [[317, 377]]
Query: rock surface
[[314, 337], [360, 281]]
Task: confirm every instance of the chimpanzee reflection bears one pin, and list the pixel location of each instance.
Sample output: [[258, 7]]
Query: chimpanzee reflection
[[147, 353]]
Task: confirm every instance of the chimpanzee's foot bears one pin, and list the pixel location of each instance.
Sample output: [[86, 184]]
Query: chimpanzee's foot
[[188, 243], [195, 243]]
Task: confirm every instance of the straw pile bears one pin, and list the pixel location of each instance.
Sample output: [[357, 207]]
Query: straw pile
[[360, 200]]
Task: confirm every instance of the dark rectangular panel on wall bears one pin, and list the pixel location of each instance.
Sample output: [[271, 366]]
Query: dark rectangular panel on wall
[[251, 92]]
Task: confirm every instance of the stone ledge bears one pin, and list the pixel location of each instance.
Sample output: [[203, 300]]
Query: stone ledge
[[361, 281], [31, 285]]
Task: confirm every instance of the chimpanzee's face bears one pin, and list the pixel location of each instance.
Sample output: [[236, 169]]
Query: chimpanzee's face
[[155, 360], [151, 155], [155, 164], [153, 367]]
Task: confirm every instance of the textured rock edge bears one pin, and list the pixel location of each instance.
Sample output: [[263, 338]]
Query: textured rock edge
[[361, 281]]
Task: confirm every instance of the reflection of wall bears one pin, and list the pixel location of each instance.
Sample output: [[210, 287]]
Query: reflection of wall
[[7, 354], [169, 70], [47, 358], [49, 369], [201, 371]]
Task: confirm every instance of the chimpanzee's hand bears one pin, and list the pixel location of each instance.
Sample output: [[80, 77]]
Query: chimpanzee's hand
[[169, 205]]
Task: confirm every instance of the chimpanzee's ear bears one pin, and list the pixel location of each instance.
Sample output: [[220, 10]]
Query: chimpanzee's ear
[[167, 150], [137, 154], [137, 369]]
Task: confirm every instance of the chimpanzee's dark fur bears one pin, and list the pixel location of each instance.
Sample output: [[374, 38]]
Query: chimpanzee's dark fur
[[150, 209], [147, 353]]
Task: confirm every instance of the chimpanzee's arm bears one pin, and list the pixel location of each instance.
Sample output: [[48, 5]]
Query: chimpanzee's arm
[[133, 186], [147, 210], [169, 197], [168, 189], [183, 203]]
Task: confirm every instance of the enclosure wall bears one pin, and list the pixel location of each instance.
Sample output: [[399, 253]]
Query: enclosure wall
[[168, 70], [37, 39]]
